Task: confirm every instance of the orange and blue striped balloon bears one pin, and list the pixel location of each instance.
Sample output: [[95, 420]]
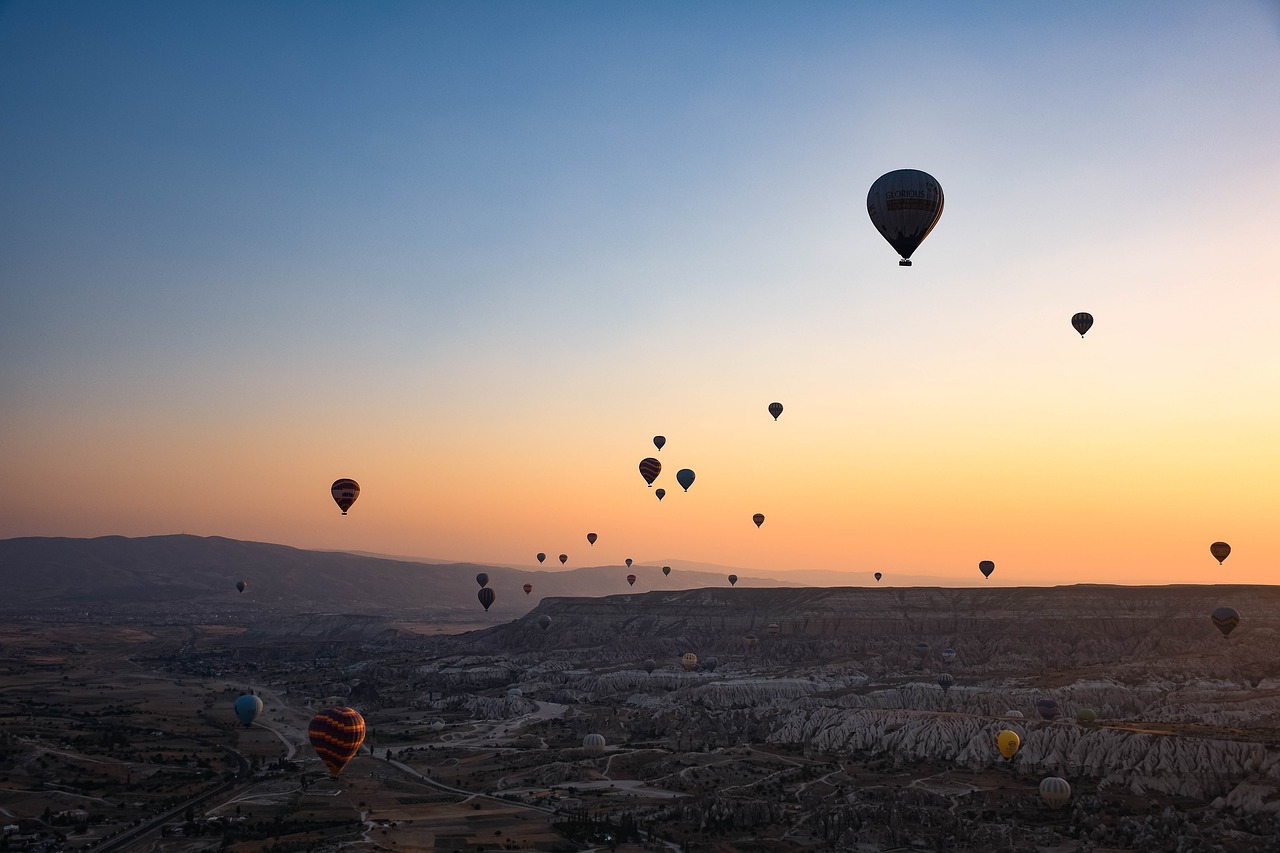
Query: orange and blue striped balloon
[[336, 735]]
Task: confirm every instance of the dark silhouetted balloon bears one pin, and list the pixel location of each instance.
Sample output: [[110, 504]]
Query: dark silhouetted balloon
[[1082, 322], [758, 518], [650, 665], [1086, 716], [1047, 708], [593, 744], [628, 562], [541, 556], [631, 579], [685, 477], [650, 468], [248, 707], [564, 558], [750, 640], [591, 538], [336, 735], [661, 493], [344, 493], [486, 597], [544, 621], [986, 567], [733, 579], [773, 629], [1055, 791], [945, 681], [1220, 551], [948, 655], [528, 588], [482, 579], [1225, 619], [904, 206], [241, 586], [775, 409], [710, 663], [659, 440], [878, 576], [666, 570]]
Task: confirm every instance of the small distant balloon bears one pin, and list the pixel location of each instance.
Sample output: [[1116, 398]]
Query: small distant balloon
[[1225, 619], [564, 558], [733, 579], [241, 586], [482, 579], [1086, 716], [628, 562], [685, 477], [758, 518], [486, 597], [593, 744], [986, 567], [904, 206], [661, 493], [666, 570], [345, 492], [631, 580], [948, 655], [528, 588], [945, 681], [591, 538], [922, 648], [773, 629], [689, 661], [544, 621], [650, 468], [1047, 709], [650, 665], [878, 576], [710, 663], [750, 640], [1082, 322], [541, 556], [659, 440], [1055, 791], [247, 708], [1220, 551], [336, 735], [775, 409], [1007, 743]]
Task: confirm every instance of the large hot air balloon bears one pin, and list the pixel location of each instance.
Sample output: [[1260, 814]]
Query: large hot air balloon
[[945, 681], [904, 205], [544, 621], [1082, 322], [661, 493], [1225, 619], [345, 492], [773, 629], [733, 579], [628, 562], [247, 708], [336, 735], [685, 477], [775, 409], [1007, 743], [948, 655], [1047, 708], [564, 558], [593, 744], [1086, 716], [631, 579], [666, 570], [710, 663], [541, 556], [689, 661], [659, 440], [241, 585], [1220, 551], [528, 588], [650, 665], [986, 567], [591, 538], [878, 576], [650, 468], [486, 597], [758, 518], [1055, 791], [482, 579]]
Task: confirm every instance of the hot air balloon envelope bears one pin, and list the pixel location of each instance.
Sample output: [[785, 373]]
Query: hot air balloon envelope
[[758, 518], [948, 655], [541, 556], [631, 579], [1082, 322], [945, 681], [628, 562], [773, 629], [650, 468], [986, 567], [659, 440], [486, 597], [345, 492], [666, 570], [661, 493], [1055, 791], [650, 665], [1007, 743], [591, 538], [733, 579], [689, 661], [878, 576], [544, 621], [482, 579], [685, 477], [564, 558], [775, 409], [593, 744], [1225, 619], [1086, 716], [1220, 551], [1047, 708], [710, 663], [240, 585], [904, 206], [336, 735], [248, 707], [528, 588]]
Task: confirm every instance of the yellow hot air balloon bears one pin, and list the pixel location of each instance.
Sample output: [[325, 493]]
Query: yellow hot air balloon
[[1007, 743]]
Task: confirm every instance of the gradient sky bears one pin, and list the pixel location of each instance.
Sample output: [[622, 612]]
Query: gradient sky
[[475, 255]]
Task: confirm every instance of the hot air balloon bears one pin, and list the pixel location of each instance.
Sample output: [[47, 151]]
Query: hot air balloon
[[650, 665], [1225, 619], [1047, 708], [1082, 322], [904, 205], [1086, 716], [528, 588], [591, 538], [659, 440], [247, 708], [758, 518], [666, 570], [541, 556], [733, 579], [775, 409], [593, 744], [922, 648], [710, 663], [948, 655], [1013, 713], [986, 567], [945, 681], [486, 597], [661, 493], [750, 640], [631, 579], [336, 735], [1007, 743], [241, 585], [878, 576], [1220, 551], [345, 492], [650, 468], [689, 661], [1055, 791], [544, 621], [564, 558], [773, 629], [685, 478], [482, 579]]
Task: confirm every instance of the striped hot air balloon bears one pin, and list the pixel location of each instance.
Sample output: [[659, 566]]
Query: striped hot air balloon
[[1055, 791], [773, 629], [689, 661], [593, 744], [345, 492], [486, 596], [336, 735], [945, 681], [775, 409], [650, 468], [1082, 322], [1225, 619]]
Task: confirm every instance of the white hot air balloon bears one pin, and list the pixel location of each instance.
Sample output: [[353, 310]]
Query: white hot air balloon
[[1055, 791], [593, 743], [904, 205]]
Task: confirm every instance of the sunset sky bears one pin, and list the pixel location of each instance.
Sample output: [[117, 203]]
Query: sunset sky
[[476, 255]]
